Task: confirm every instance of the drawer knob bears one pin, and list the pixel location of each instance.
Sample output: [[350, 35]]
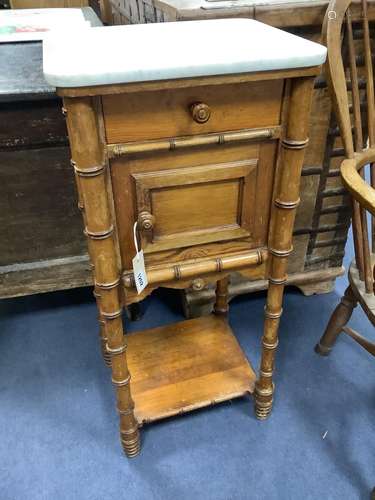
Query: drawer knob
[[200, 112], [146, 221]]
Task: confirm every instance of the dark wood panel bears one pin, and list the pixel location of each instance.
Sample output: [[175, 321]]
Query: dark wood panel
[[32, 124], [38, 209], [45, 276]]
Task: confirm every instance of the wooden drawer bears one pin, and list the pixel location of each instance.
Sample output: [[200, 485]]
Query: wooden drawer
[[166, 113], [215, 195]]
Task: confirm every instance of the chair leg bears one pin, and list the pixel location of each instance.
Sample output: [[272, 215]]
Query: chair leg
[[221, 306], [340, 316], [362, 341]]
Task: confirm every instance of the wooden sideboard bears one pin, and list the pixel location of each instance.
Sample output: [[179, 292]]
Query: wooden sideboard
[[42, 246], [323, 217]]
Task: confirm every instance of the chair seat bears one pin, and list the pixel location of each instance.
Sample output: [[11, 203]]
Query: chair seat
[[366, 300]]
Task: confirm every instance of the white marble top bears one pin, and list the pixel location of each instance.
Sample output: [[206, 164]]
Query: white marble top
[[148, 52]]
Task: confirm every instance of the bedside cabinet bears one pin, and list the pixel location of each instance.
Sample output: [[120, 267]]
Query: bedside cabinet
[[192, 154]]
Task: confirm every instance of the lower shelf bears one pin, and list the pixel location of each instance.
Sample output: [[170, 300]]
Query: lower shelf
[[185, 366]]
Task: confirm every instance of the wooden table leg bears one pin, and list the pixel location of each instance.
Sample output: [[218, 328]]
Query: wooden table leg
[[221, 306], [280, 245], [90, 166], [102, 333]]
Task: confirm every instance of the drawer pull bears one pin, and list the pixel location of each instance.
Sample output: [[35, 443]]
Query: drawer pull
[[200, 112], [146, 221]]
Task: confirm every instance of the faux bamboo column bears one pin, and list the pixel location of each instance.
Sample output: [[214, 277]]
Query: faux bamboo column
[[90, 167], [102, 333], [286, 201]]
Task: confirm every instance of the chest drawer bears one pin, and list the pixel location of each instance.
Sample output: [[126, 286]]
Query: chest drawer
[[214, 196], [168, 114]]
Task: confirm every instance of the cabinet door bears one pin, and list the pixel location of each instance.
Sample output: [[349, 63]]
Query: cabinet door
[[204, 202], [196, 205]]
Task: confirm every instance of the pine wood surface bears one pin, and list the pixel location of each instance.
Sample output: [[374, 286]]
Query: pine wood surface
[[102, 179], [323, 217], [196, 164], [185, 366], [167, 114], [319, 240]]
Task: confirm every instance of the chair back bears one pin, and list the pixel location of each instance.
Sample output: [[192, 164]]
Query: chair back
[[349, 71]]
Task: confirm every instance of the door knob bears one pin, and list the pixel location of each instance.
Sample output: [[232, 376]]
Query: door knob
[[146, 221]]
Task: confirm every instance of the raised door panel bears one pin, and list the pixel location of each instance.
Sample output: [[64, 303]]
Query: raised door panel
[[198, 204]]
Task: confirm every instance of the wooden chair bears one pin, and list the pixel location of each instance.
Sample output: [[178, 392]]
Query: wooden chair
[[356, 117]]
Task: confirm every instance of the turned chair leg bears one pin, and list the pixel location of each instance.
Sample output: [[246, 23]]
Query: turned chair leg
[[340, 316], [221, 306]]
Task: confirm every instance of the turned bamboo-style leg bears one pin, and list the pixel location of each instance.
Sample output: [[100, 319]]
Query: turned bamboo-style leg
[[280, 242], [90, 166], [102, 334], [340, 316], [221, 306]]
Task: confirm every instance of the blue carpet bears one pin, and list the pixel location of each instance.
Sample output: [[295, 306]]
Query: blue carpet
[[59, 428]]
